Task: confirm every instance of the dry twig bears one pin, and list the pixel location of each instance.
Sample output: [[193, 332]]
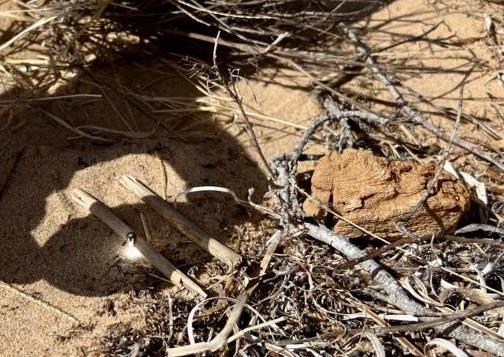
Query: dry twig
[[398, 297], [409, 112], [185, 226], [104, 213], [218, 341]]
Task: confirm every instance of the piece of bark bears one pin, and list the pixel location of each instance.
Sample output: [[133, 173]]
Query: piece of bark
[[373, 193]]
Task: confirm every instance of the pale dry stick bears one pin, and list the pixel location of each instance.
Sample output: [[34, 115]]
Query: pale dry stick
[[21, 34], [254, 114], [273, 243], [233, 93], [410, 112], [332, 113], [397, 295], [184, 225], [197, 6], [12, 15], [75, 130], [371, 234], [376, 344], [402, 340], [39, 302], [457, 315], [483, 227], [472, 324], [428, 192], [222, 25], [488, 241], [105, 214], [128, 134], [49, 98], [430, 348], [231, 193], [210, 103], [270, 250], [218, 108], [192, 313], [218, 341], [241, 333]]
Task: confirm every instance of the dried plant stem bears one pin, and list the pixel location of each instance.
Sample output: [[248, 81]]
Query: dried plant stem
[[333, 113], [443, 320], [218, 341], [241, 333], [27, 30], [398, 297], [272, 246], [77, 131], [233, 93], [433, 182], [184, 225], [105, 214], [410, 112], [402, 340], [396, 294]]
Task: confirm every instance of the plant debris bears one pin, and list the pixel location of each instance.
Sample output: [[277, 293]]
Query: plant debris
[[180, 93]]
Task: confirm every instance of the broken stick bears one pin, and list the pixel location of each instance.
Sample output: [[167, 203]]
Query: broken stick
[[185, 226], [219, 340], [105, 214]]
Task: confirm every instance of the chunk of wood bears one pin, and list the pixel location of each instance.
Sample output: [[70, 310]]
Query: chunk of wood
[[374, 193]]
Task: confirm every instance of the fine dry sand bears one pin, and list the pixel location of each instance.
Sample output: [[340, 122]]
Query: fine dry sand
[[59, 265]]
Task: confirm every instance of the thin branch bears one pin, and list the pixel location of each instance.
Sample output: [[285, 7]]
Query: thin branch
[[398, 297], [408, 111], [105, 214], [218, 341], [183, 224], [233, 93], [459, 315]]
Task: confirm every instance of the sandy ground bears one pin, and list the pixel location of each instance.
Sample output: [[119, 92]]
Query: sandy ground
[[59, 266], [66, 265], [433, 69]]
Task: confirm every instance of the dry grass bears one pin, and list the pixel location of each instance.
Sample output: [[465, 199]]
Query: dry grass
[[323, 305]]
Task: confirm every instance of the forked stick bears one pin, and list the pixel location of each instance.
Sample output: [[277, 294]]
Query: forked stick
[[185, 226], [219, 340], [105, 214]]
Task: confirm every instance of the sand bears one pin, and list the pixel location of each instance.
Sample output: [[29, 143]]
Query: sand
[[68, 266], [71, 263]]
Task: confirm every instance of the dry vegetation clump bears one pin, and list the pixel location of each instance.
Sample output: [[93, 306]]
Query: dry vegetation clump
[[427, 274]]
